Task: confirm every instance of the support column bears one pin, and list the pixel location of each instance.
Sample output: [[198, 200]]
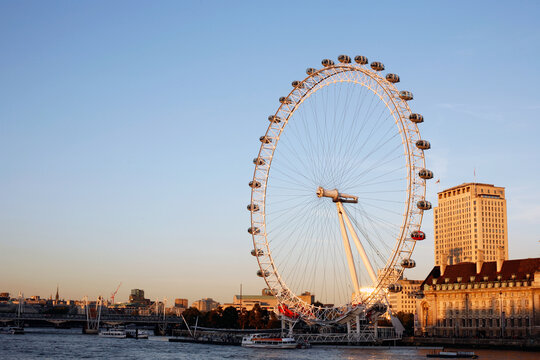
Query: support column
[[347, 246], [358, 244]]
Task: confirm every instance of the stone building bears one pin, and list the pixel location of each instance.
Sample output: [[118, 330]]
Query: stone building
[[206, 304], [470, 218], [405, 301], [498, 299]]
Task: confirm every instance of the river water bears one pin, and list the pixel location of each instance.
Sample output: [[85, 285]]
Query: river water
[[47, 343]]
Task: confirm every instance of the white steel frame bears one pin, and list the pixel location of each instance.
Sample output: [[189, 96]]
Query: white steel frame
[[412, 216]]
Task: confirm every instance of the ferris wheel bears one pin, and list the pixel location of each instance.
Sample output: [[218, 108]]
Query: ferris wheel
[[349, 166]]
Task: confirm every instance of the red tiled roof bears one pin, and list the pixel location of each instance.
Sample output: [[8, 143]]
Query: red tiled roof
[[520, 268]]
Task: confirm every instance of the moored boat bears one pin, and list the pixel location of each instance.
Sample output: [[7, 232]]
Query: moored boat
[[269, 342], [454, 355], [113, 333], [136, 334]]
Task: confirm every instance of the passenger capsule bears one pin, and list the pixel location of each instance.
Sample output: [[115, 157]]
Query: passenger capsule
[[418, 235], [344, 59], [254, 230], [261, 274], [254, 184], [423, 144], [416, 118], [419, 294], [395, 288], [423, 205], [259, 161], [327, 62], [408, 263], [405, 95], [311, 71], [377, 66], [257, 252], [253, 207], [425, 174], [274, 119], [362, 60], [265, 139], [297, 84], [285, 100], [393, 78]]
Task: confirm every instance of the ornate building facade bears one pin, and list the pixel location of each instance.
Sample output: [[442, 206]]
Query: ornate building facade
[[498, 299]]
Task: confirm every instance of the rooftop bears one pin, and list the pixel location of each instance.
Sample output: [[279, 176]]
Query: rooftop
[[467, 184], [519, 267]]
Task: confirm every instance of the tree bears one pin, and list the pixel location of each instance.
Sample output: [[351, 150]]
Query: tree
[[191, 315], [256, 317], [407, 320], [273, 322], [213, 318], [229, 318]]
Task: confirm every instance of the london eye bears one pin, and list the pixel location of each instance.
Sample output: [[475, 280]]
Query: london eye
[[338, 191]]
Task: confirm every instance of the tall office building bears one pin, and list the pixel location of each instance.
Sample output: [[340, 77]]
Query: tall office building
[[470, 224]]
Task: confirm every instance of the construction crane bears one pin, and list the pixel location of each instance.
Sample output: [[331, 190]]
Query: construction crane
[[114, 293]]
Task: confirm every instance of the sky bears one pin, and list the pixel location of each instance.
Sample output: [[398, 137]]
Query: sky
[[128, 128]]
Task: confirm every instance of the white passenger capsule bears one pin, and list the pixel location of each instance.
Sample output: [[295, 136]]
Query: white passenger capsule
[[344, 59], [423, 144], [253, 207], [425, 174], [285, 100], [395, 288], [254, 184], [265, 139], [257, 252], [423, 205], [297, 84], [327, 62], [254, 230], [393, 78], [408, 263], [259, 161], [405, 95], [261, 274], [311, 71], [362, 60], [274, 119], [377, 66], [416, 118]]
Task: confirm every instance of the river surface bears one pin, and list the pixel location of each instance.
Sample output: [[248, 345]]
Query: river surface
[[47, 343]]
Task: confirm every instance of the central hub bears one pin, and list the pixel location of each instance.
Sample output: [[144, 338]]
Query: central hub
[[336, 196]]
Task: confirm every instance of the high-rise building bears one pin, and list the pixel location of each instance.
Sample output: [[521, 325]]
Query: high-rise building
[[181, 303], [206, 304], [137, 297], [470, 224]]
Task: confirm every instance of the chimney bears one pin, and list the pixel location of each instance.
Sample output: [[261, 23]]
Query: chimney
[[444, 262], [480, 260], [500, 258]]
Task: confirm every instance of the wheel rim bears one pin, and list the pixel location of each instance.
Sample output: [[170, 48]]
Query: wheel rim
[[290, 270]]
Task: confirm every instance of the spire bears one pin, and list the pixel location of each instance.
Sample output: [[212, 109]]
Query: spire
[[57, 296]]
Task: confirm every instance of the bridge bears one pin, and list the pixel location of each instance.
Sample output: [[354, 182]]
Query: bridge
[[80, 319]]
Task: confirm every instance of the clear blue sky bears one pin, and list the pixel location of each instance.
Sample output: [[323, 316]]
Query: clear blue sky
[[127, 129]]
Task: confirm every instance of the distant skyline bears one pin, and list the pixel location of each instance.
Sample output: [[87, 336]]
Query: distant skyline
[[128, 129]]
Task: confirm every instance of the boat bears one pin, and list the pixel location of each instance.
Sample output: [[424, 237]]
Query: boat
[[136, 334], [269, 342], [113, 333], [12, 330], [454, 355]]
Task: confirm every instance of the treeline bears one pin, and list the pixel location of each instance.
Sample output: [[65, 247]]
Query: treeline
[[230, 318]]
